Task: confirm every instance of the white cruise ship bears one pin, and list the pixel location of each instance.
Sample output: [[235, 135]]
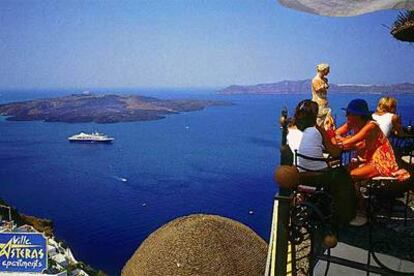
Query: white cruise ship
[[95, 137]]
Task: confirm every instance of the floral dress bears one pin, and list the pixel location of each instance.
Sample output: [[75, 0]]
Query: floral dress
[[379, 153]]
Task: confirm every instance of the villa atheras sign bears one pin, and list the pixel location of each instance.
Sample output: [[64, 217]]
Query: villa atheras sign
[[23, 252]]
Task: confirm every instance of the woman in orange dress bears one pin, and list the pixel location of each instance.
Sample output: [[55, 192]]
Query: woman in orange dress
[[375, 154]]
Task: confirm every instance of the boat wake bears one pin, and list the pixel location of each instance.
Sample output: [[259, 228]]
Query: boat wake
[[122, 179]]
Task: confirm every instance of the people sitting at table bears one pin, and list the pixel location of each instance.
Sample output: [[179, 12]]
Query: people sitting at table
[[314, 142], [386, 116], [360, 133], [375, 154]]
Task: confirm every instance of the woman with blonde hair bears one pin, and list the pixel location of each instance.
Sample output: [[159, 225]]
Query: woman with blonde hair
[[319, 95], [386, 116]]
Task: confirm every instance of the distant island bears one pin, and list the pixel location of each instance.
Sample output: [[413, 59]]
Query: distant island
[[87, 107], [304, 86]]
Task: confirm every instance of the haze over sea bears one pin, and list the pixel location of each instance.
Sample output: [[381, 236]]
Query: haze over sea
[[105, 200]]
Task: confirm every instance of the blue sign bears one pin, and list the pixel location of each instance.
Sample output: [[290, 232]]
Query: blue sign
[[23, 252]]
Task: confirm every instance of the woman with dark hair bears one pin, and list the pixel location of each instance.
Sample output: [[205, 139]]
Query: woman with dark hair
[[315, 140]]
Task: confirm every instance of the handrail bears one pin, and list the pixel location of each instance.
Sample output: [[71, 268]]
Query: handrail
[[7, 207], [272, 255]]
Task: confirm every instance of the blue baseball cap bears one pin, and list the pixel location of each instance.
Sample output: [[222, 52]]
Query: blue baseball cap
[[358, 107]]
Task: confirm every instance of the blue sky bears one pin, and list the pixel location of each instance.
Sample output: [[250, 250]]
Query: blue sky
[[190, 43]]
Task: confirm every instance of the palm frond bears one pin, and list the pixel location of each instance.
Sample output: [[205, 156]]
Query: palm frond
[[403, 27]]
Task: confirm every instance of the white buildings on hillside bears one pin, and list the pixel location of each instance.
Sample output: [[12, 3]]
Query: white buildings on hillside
[[61, 257]]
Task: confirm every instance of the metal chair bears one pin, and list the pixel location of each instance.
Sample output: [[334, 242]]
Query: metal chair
[[408, 159], [403, 145], [312, 209], [382, 192]]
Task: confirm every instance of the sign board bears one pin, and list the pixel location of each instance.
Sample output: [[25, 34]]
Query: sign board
[[23, 252]]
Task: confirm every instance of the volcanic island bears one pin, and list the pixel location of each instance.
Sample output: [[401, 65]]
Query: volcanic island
[[83, 108]]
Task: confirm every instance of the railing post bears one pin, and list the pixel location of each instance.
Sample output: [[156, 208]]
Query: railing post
[[283, 125], [284, 205], [9, 209]]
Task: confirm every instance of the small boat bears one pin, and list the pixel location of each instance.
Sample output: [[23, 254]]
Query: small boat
[[94, 137]]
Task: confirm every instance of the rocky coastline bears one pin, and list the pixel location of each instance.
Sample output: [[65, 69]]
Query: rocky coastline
[[82, 108]]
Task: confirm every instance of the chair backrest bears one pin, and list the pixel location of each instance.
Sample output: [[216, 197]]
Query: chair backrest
[[297, 154], [311, 178], [409, 158]]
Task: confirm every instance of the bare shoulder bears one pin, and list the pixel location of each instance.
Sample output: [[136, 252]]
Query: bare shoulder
[[395, 118], [371, 125]]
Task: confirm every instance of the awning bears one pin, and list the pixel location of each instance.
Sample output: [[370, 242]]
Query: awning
[[346, 7]]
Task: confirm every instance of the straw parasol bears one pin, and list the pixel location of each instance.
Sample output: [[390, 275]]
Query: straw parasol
[[200, 245], [346, 7], [403, 28]]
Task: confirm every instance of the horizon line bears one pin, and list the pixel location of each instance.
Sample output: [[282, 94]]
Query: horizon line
[[97, 88]]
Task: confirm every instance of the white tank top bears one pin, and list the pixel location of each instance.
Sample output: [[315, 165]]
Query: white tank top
[[311, 145], [294, 137], [385, 122]]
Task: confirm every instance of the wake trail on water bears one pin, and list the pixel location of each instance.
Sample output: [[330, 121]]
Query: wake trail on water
[[122, 179]]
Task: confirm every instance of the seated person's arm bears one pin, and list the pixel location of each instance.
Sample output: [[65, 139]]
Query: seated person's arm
[[342, 130], [330, 143], [360, 136], [396, 125]]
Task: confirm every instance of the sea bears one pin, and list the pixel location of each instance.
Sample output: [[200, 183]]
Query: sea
[[104, 200]]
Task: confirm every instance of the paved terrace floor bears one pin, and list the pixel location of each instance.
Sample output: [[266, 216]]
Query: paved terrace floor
[[397, 254], [360, 255]]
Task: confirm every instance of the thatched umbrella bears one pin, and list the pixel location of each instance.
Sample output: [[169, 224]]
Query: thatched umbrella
[[200, 245], [403, 28], [346, 7]]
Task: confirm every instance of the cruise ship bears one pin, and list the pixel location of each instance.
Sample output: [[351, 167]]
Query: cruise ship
[[95, 137]]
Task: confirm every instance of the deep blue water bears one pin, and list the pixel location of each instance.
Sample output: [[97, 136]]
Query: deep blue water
[[218, 161]]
